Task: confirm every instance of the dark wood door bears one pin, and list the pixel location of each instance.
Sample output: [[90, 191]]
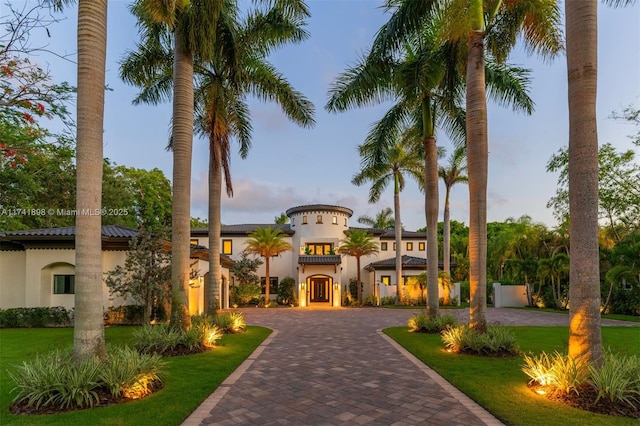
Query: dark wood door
[[319, 289]]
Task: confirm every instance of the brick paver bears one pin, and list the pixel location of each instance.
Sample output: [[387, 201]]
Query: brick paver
[[334, 366]]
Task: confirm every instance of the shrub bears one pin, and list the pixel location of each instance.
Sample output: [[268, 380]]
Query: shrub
[[372, 300], [388, 300], [287, 291], [130, 374], [51, 380], [244, 294], [165, 340], [495, 342], [618, 379], [558, 372], [35, 317], [232, 322], [125, 315], [423, 324]]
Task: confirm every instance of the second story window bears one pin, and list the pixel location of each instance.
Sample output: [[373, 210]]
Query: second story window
[[319, 249], [319, 219], [227, 247], [334, 220], [383, 246], [304, 220], [409, 246], [421, 246]]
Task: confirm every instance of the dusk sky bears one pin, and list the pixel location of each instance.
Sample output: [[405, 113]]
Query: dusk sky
[[289, 166]]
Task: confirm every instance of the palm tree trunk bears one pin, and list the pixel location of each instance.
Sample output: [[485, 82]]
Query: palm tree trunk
[[88, 331], [358, 284], [431, 207], [477, 158], [446, 243], [215, 193], [398, 236], [182, 146], [585, 337], [266, 279]]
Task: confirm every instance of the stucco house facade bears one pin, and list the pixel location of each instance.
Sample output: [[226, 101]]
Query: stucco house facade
[[37, 267], [322, 274]]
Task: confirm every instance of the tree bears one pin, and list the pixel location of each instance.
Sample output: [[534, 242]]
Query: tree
[[380, 171], [266, 242], [618, 188], [359, 243], [238, 68], [92, 50], [247, 281], [197, 222], [193, 27], [281, 219], [451, 175], [383, 220], [146, 274], [430, 83]]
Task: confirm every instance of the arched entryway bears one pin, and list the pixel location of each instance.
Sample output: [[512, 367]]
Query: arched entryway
[[320, 289]]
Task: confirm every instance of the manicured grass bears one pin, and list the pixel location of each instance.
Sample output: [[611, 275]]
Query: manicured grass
[[619, 317], [188, 380], [500, 386]]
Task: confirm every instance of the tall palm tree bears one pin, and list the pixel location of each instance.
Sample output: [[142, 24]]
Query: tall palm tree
[[427, 82], [193, 26], [396, 161], [242, 69], [454, 173], [266, 242], [237, 69], [383, 220], [92, 50], [471, 23], [359, 243]]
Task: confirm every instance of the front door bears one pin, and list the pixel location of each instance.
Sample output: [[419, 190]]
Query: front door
[[320, 289]]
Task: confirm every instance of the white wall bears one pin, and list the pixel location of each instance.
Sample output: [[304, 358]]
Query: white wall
[[505, 296]]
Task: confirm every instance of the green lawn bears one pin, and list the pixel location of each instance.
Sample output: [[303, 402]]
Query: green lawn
[[619, 317], [188, 379], [500, 386]]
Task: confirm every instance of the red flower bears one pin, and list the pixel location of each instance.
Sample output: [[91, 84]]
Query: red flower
[[28, 117], [40, 108]]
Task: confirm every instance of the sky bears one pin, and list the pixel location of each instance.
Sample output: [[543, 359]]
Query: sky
[[290, 166]]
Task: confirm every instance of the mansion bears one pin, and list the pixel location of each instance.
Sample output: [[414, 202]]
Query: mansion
[[37, 266]]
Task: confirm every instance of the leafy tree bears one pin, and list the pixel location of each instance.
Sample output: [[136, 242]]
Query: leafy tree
[[196, 222], [281, 219], [266, 242], [287, 290], [383, 168], [247, 282], [618, 188], [145, 275], [383, 220], [359, 243], [454, 173]]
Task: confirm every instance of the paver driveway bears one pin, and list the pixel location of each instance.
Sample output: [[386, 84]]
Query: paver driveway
[[333, 366]]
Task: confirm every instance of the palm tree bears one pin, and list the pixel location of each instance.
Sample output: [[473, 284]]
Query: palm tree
[[359, 243], [454, 173], [238, 68], [224, 84], [383, 220], [92, 50], [177, 17], [396, 161], [266, 242], [427, 83]]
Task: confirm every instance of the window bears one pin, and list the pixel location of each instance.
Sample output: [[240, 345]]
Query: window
[[64, 284], [409, 246], [385, 279], [334, 220], [319, 218], [227, 246], [394, 246], [304, 220], [273, 284], [194, 242], [319, 249], [421, 246], [383, 246], [345, 222]]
